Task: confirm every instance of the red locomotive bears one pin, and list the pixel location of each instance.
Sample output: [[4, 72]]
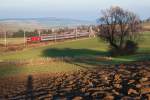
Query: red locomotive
[[33, 39]]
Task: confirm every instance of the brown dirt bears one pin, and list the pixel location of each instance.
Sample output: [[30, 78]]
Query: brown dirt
[[126, 82]]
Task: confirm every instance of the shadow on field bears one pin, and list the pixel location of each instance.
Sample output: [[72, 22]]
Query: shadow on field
[[67, 52], [29, 88], [78, 57]]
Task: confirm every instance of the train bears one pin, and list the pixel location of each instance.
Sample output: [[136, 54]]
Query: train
[[54, 37]]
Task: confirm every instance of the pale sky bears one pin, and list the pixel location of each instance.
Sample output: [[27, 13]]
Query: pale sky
[[74, 9]]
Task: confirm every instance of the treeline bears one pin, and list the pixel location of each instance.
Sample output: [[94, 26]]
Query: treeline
[[146, 20], [20, 33]]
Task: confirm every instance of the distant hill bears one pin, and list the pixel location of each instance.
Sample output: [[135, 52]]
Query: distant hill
[[15, 24]]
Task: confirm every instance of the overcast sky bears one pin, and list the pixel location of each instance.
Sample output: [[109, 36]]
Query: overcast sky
[[74, 9]]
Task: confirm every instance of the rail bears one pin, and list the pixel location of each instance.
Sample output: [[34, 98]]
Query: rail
[[55, 37]]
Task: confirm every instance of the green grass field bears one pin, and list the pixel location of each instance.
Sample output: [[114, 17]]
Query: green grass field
[[71, 55]]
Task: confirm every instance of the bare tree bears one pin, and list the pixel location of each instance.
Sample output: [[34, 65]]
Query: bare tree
[[119, 26]]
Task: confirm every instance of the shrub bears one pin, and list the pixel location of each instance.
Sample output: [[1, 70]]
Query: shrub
[[130, 47]]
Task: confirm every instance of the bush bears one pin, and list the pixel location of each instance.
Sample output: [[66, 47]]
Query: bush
[[129, 48], [114, 52], [14, 48]]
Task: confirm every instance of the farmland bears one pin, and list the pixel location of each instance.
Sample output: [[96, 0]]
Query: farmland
[[67, 56], [11, 41], [74, 50]]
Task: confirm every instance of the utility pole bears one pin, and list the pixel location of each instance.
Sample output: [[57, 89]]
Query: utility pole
[[55, 37], [5, 38], [39, 32], [91, 32], [24, 37], [76, 32]]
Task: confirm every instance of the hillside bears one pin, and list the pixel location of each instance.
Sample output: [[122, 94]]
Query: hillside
[[34, 23]]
